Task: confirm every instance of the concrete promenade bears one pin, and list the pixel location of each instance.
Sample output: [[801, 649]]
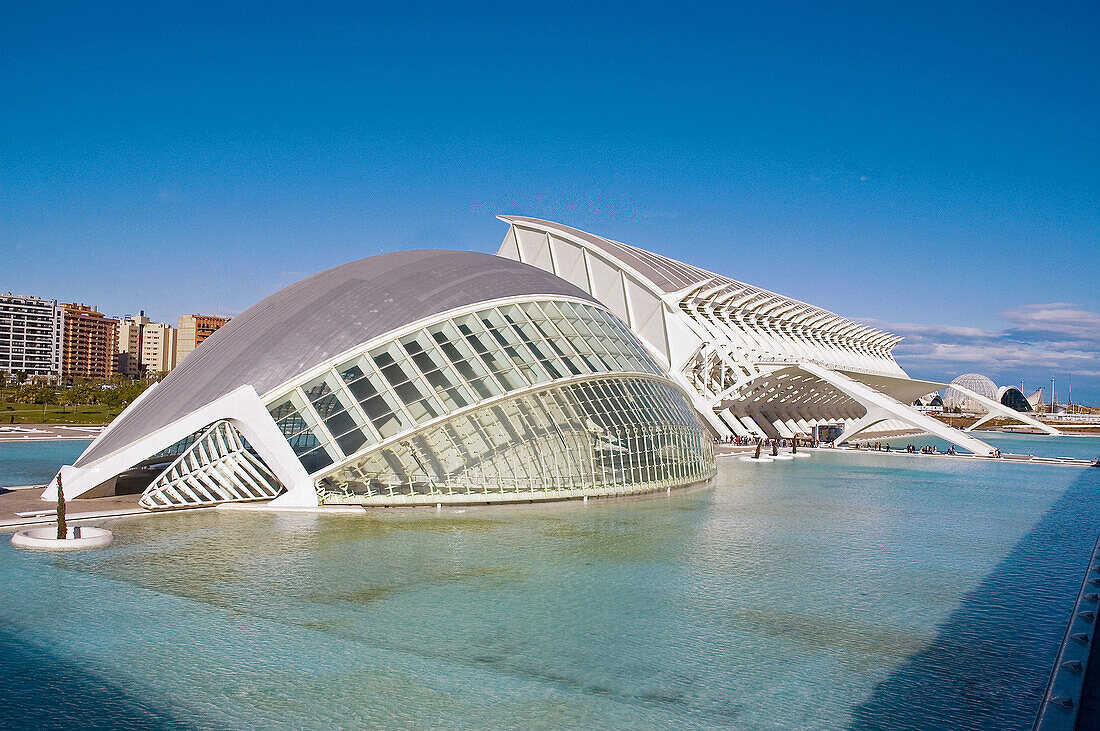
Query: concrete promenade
[[47, 432], [22, 507], [730, 450]]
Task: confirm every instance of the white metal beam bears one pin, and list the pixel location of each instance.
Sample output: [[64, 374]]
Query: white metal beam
[[1000, 410], [880, 407]]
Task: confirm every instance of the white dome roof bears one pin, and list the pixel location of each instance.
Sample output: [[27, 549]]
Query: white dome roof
[[321, 316], [976, 382]]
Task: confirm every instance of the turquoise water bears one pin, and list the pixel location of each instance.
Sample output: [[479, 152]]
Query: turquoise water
[[35, 463], [845, 590], [1079, 447]]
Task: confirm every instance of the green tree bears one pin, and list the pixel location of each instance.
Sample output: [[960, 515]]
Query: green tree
[[62, 529]]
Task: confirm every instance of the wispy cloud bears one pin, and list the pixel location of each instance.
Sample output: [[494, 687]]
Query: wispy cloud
[[1038, 339], [1056, 318]]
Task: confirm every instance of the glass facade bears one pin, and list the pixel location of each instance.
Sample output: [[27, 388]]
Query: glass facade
[[610, 435], [337, 422]]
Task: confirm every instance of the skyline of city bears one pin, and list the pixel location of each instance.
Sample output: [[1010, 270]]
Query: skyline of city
[[931, 351], [1060, 384]]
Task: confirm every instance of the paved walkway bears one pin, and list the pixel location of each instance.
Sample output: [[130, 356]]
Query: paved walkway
[[23, 507], [47, 432], [725, 450]]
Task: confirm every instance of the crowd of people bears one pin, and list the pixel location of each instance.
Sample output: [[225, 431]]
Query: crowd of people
[[911, 448], [876, 447], [738, 441]]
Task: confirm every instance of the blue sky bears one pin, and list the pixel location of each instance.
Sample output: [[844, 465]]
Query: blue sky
[[931, 167]]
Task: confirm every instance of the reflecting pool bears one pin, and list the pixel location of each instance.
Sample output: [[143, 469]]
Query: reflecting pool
[[845, 590], [35, 463]]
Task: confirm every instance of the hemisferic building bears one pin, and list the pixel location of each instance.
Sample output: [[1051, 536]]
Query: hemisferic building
[[417, 377]]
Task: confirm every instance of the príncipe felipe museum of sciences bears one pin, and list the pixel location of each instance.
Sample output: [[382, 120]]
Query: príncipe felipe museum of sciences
[[568, 365]]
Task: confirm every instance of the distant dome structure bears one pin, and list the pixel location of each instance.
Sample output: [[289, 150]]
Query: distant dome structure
[[977, 383], [1013, 398]]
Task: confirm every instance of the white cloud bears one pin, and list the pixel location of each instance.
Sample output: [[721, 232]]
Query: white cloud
[[1061, 318], [1039, 340]]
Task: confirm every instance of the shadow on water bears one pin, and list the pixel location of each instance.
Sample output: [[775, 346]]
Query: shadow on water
[[989, 664], [44, 691]]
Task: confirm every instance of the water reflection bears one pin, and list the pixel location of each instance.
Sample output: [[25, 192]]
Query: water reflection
[[819, 593]]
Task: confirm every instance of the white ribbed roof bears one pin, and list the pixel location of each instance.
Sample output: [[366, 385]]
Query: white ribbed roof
[[670, 276]]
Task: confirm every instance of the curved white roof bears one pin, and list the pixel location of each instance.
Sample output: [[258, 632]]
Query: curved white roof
[[318, 318]]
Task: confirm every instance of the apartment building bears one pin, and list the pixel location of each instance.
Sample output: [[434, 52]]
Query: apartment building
[[89, 347], [191, 330], [158, 348], [130, 330], [30, 335]]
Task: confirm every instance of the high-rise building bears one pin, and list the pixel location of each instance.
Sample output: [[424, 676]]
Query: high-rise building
[[129, 344], [30, 335], [192, 330], [145, 347], [90, 343], [158, 348]]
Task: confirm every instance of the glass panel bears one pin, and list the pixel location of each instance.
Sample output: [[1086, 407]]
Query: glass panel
[[439, 375], [391, 362], [571, 439], [469, 366], [292, 424], [506, 375], [341, 419], [363, 389], [296, 424], [315, 460], [351, 442], [422, 410], [356, 370], [386, 420]]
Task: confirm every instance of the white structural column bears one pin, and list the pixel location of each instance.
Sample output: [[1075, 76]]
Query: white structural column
[[881, 407], [242, 408], [996, 410]]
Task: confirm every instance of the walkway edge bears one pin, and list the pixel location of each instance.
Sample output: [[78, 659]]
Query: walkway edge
[[1062, 698]]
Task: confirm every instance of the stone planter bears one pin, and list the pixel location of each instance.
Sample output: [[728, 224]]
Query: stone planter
[[76, 538]]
